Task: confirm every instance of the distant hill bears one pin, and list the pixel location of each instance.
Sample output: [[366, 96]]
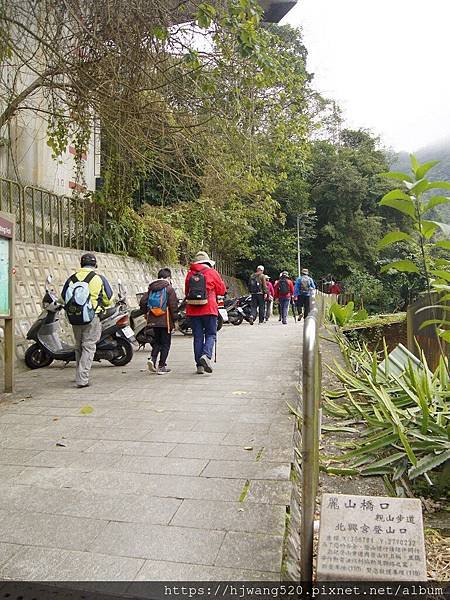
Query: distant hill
[[437, 151]]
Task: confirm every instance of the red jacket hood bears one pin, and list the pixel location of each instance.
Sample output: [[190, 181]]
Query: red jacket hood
[[199, 267]]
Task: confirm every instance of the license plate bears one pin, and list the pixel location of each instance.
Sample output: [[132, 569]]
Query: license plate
[[128, 332]]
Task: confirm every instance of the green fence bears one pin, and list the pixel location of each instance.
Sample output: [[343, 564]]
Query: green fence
[[43, 217]]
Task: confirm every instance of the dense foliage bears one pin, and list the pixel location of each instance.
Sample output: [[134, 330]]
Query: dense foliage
[[400, 421]]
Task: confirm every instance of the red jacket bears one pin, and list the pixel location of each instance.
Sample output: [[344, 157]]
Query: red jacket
[[289, 294], [270, 289], [214, 287]]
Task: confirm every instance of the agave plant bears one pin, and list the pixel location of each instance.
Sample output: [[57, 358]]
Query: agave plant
[[402, 422], [342, 315]]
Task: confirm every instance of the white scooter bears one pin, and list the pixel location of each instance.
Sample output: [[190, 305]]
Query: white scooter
[[115, 345]]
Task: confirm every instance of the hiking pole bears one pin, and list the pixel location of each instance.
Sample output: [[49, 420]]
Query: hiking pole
[[215, 347], [293, 311]]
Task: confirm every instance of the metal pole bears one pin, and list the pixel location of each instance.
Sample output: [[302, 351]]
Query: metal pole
[[310, 440], [298, 245]]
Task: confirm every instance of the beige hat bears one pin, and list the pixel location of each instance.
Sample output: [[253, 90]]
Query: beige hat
[[202, 257], [305, 272]]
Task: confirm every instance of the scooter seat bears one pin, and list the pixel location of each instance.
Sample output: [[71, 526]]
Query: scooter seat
[[107, 313]]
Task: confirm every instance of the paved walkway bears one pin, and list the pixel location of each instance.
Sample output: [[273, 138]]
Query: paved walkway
[[175, 477]]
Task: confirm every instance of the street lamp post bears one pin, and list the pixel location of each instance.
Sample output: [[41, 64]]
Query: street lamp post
[[298, 245]]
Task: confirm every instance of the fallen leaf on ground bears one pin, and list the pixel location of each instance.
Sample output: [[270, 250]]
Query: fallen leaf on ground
[[60, 444], [56, 418], [86, 410], [239, 393], [248, 447]]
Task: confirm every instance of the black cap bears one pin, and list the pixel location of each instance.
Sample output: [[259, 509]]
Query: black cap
[[88, 260]]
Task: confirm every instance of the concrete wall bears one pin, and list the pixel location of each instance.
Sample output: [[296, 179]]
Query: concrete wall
[[34, 262]]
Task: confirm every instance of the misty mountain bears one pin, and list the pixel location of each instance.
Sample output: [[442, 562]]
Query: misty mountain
[[441, 172]]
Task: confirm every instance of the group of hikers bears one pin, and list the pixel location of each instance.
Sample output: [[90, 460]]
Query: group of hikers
[[284, 291], [203, 285]]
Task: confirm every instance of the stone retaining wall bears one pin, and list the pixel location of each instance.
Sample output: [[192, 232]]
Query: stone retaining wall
[[34, 262]]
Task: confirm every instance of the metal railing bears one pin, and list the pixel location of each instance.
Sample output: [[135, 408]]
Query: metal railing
[[310, 433], [43, 217]]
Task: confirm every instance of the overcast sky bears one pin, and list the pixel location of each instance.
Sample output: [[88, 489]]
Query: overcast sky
[[371, 56]]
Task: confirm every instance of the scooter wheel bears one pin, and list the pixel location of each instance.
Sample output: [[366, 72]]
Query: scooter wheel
[[36, 357], [237, 320], [124, 353]]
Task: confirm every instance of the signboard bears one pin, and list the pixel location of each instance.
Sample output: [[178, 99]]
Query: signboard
[[6, 234], [7, 222], [369, 538]]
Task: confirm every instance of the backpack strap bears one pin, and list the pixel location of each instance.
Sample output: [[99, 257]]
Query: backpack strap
[[89, 277]]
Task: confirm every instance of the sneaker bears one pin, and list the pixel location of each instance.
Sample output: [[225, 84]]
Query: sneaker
[[151, 366], [206, 363], [200, 370], [82, 385], [163, 371]]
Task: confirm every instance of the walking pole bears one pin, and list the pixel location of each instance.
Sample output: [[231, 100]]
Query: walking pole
[[293, 310], [215, 348]]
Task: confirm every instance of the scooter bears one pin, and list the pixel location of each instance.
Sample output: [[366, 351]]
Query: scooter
[[245, 303], [115, 345], [138, 322], [235, 312]]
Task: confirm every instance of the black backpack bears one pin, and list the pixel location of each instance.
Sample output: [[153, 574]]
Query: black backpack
[[197, 292], [255, 285], [283, 286]]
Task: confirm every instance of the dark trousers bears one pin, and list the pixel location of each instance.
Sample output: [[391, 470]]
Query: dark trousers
[[303, 305], [258, 305], [204, 330], [284, 309], [161, 345]]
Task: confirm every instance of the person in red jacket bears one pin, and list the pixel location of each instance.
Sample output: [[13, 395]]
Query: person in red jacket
[[284, 290], [202, 286]]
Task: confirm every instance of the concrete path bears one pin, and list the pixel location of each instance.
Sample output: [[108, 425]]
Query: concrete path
[[175, 477]]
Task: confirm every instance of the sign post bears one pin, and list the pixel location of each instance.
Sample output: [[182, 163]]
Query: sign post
[[7, 224]]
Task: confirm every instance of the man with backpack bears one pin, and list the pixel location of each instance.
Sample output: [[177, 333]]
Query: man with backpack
[[202, 286], [85, 294], [304, 288], [160, 303], [258, 290], [284, 290]]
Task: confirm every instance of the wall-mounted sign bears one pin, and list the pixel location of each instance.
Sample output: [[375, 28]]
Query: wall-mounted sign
[[7, 223], [6, 236]]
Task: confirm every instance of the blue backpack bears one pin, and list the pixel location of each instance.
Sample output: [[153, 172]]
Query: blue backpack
[[157, 302]]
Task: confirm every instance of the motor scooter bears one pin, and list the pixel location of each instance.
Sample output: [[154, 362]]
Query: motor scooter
[[235, 313], [138, 322], [116, 344]]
